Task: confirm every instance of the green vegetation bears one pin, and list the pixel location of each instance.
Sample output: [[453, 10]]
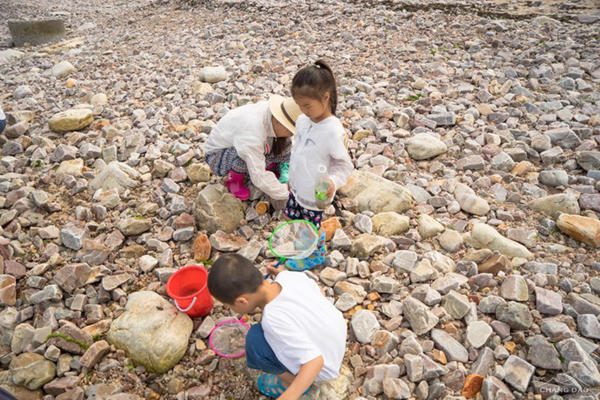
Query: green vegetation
[[414, 97], [83, 345]]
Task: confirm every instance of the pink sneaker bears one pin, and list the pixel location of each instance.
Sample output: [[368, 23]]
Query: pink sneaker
[[235, 184]]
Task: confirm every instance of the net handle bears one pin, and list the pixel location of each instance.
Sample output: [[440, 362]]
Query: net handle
[[210, 337], [285, 224]]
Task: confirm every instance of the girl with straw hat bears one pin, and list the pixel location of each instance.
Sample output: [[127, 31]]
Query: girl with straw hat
[[252, 140]]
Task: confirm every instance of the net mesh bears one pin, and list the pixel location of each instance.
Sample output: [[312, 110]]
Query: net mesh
[[295, 239], [229, 339]]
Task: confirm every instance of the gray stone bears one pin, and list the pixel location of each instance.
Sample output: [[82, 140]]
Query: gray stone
[[548, 302], [515, 314], [563, 137], [515, 287], [345, 302], [453, 349], [502, 162], [474, 163], [542, 354], [478, 332], [418, 315], [518, 373], [456, 304], [588, 160], [184, 234], [554, 177], [443, 119], [364, 325], [384, 284], [115, 175], [330, 276], [49, 293], [588, 325], [363, 223], [494, 389]]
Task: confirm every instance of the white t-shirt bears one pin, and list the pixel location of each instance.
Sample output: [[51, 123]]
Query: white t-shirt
[[317, 144], [2, 116], [300, 324]]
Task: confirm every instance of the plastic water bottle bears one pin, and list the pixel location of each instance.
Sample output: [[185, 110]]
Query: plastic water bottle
[[321, 187]]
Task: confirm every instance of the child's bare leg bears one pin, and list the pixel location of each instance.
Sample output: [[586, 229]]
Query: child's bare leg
[[286, 378]]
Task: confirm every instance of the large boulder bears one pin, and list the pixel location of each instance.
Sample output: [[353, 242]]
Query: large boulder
[[36, 32], [484, 236], [151, 331], [469, 201], [217, 209], [376, 194]]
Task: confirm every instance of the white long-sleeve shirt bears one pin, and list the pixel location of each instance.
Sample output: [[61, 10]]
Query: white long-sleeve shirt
[[317, 144], [249, 129]]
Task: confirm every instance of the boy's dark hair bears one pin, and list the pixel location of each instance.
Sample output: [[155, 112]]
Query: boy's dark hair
[[314, 81], [231, 276]]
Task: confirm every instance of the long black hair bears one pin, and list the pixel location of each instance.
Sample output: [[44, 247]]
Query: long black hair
[[314, 81]]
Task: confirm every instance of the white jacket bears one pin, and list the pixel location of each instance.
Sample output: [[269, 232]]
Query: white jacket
[[317, 144], [249, 129]]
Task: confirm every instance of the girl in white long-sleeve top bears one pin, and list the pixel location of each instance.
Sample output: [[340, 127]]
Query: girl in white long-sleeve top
[[319, 141]]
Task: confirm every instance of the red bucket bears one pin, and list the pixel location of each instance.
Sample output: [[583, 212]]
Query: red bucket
[[188, 289]]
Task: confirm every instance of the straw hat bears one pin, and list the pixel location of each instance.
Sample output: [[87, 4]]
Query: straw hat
[[285, 110]]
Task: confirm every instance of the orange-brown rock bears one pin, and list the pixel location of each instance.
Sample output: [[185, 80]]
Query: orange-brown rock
[[583, 229], [201, 247], [523, 168], [330, 226], [262, 207], [472, 386], [495, 264]]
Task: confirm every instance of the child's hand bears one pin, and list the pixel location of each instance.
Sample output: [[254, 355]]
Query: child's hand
[[272, 270]]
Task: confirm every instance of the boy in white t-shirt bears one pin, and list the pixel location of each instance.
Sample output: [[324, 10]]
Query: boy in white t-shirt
[[301, 337]]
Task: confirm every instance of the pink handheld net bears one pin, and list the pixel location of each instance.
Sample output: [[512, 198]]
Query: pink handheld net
[[228, 338]]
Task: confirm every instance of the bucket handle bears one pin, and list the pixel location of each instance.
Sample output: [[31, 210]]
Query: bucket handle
[[186, 309]]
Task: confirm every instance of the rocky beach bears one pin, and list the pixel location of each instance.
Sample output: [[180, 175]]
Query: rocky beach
[[463, 251]]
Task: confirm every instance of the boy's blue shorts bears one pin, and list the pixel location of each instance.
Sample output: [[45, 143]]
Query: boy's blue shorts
[[2, 125], [259, 354]]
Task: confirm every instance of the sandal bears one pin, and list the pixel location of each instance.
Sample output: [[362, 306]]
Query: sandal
[[270, 385]]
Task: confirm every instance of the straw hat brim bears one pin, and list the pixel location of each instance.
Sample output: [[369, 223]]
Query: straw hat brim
[[285, 110]]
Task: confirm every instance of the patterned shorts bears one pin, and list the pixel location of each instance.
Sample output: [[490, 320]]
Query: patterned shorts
[[225, 160], [295, 211]]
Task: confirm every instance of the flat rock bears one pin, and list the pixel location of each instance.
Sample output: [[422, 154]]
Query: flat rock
[[424, 146], [71, 120], [212, 74], [478, 332], [62, 69], [583, 229], [32, 370], [556, 204], [515, 314], [376, 194], [364, 325], [548, 302], [428, 227], [366, 244], [389, 223], [115, 175], [151, 331], [518, 373], [453, 349], [515, 287], [134, 226]]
